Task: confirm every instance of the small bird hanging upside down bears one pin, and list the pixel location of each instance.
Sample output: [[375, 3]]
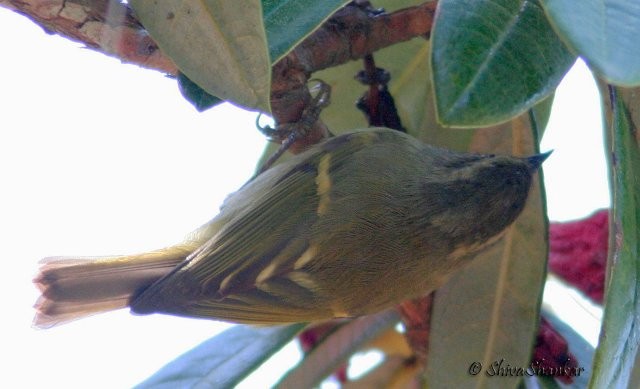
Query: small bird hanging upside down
[[352, 226]]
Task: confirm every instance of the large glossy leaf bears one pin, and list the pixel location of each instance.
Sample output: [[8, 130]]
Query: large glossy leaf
[[620, 333], [287, 22], [489, 311], [224, 360], [604, 33], [493, 59], [218, 44], [325, 358]]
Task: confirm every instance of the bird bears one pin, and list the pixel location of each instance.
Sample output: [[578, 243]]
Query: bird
[[354, 225]]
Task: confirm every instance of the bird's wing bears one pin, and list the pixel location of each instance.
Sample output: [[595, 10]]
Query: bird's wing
[[247, 272]]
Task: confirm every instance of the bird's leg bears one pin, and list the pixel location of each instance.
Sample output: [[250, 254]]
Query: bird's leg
[[289, 133]]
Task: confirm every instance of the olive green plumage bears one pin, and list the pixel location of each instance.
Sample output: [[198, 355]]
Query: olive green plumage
[[356, 224]]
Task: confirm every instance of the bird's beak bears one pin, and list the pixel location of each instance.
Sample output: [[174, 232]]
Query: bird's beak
[[535, 161]]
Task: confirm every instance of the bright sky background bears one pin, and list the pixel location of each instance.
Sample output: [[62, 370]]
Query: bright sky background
[[101, 158]]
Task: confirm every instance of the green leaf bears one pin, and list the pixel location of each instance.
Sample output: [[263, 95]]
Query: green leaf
[[493, 60], [219, 44], [197, 96], [604, 33], [489, 311], [620, 333], [224, 360], [327, 356], [288, 22]]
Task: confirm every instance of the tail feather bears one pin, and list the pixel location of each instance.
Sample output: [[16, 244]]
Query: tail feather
[[73, 288]]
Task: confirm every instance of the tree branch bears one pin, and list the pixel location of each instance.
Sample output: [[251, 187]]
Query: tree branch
[[110, 27], [350, 34]]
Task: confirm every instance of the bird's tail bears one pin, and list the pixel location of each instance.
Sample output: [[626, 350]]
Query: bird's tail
[[75, 287]]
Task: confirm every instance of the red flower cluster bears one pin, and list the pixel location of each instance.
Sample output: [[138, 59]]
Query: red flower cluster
[[552, 353], [578, 253]]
